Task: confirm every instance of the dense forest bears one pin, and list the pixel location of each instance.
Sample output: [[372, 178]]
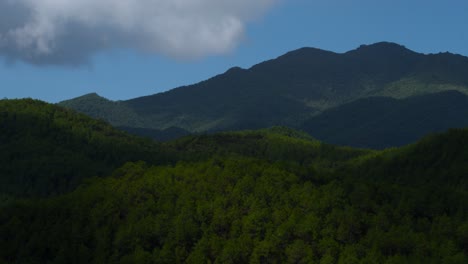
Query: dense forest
[[46, 149], [264, 196]]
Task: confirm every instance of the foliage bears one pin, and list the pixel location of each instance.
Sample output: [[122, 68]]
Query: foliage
[[267, 196], [45, 149], [156, 134]]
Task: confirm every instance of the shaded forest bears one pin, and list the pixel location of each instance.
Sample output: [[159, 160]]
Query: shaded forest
[[263, 196]]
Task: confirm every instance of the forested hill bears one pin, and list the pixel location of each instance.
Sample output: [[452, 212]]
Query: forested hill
[[46, 149], [288, 90], [266, 196], [443, 156]]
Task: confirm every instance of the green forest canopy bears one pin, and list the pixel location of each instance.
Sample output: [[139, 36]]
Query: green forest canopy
[[267, 196]]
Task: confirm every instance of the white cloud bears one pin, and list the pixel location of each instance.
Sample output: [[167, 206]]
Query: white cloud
[[70, 31]]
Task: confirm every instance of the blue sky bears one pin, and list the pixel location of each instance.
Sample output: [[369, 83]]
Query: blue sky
[[339, 25]]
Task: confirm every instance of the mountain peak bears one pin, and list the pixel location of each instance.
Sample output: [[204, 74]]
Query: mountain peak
[[84, 99], [387, 48], [234, 70], [385, 44], [307, 51], [91, 95]]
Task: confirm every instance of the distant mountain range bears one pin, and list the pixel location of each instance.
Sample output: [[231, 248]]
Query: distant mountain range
[[375, 96]]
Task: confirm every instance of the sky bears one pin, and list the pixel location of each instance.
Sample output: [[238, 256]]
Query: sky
[[55, 50]]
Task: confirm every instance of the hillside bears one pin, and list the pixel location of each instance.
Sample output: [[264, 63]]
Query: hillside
[[286, 91], [47, 150], [157, 134], [266, 196], [381, 122], [442, 155], [99, 107]]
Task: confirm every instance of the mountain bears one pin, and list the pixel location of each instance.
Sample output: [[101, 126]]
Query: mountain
[[264, 196], [286, 91], [382, 122]]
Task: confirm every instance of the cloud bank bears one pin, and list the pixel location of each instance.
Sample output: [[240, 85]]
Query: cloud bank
[[71, 31]]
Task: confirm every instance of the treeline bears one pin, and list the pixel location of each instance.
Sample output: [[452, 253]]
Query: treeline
[[45, 149]]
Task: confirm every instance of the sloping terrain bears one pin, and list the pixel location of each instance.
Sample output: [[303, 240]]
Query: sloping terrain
[[267, 196], [47, 150], [381, 122], [116, 113], [286, 91]]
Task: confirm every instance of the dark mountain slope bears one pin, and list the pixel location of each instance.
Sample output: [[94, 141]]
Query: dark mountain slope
[[46, 149], [379, 122], [283, 91]]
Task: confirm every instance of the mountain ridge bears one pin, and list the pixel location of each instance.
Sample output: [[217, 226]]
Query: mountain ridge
[[288, 90]]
